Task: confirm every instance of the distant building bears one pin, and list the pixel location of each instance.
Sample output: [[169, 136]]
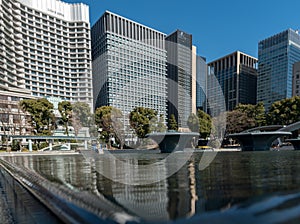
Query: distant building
[[194, 79], [129, 65], [13, 121], [179, 66], [276, 57], [296, 79], [45, 49], [237, 76], [201, 99]]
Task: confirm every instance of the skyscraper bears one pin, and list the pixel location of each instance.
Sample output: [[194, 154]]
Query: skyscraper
[[237, 76], [194, 79], [179, 66], [45, 49], [201, 99], [296, 79], [276, 56], [129, 65]]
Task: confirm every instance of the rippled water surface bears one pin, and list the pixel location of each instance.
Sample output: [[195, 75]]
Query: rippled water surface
[[248, 186]]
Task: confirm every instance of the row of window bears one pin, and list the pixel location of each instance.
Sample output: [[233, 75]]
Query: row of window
[[50, 20]]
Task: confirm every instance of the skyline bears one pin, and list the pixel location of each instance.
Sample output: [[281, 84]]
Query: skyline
[[236, 26]]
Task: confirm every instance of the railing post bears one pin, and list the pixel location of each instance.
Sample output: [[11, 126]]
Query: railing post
[[50, 144], [30, 145], [85, 145]]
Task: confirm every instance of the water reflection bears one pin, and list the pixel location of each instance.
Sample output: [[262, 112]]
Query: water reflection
[[18, 206], [231, 180]]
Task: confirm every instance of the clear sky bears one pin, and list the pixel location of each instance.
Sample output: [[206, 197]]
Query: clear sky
[[219, 27]]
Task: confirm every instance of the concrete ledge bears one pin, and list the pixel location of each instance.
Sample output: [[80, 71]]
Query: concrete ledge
[[70, 206]]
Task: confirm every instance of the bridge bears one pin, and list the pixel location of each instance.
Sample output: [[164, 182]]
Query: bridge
[[261, 138], [51, 138]]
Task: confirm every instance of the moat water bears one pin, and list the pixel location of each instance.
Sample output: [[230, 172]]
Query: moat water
[[249, 187]]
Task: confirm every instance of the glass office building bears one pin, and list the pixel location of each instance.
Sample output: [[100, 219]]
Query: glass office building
[[129, 65], [296, 79], [201, 98], [276, 57], [179, 51], [236, 74], [45, 49]]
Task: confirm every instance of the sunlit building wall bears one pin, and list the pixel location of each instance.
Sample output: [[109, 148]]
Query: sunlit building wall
[[129, 65], [45, 49]]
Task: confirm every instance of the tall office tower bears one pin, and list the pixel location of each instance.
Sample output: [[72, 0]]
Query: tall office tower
[[237, 76], [194, 79], [296, 79], [179, 66], [129, 65], [201, 99], [45, 49], [276, 56]]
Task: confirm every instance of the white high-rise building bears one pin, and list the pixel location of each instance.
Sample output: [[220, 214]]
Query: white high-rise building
[[45, 49], [129, 65]]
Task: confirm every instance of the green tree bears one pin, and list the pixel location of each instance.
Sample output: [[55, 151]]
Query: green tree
[[172, 123], [82, 112], [256, 112], [82, 117], [205, 124], [157, 124], [141, 120], [65, 110], [193, 123], [284, 112], [41, 115], [109, 120], [238, 121]]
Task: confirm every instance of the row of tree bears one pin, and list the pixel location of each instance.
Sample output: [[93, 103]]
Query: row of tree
[[282, 112], [109, 120], [43, 120], [142, 121]]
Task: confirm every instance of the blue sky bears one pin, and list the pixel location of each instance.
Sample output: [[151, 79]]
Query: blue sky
[[218, 27]]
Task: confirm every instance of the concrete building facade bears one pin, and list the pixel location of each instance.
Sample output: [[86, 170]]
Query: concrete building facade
[[129, 65], [45, 49]]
